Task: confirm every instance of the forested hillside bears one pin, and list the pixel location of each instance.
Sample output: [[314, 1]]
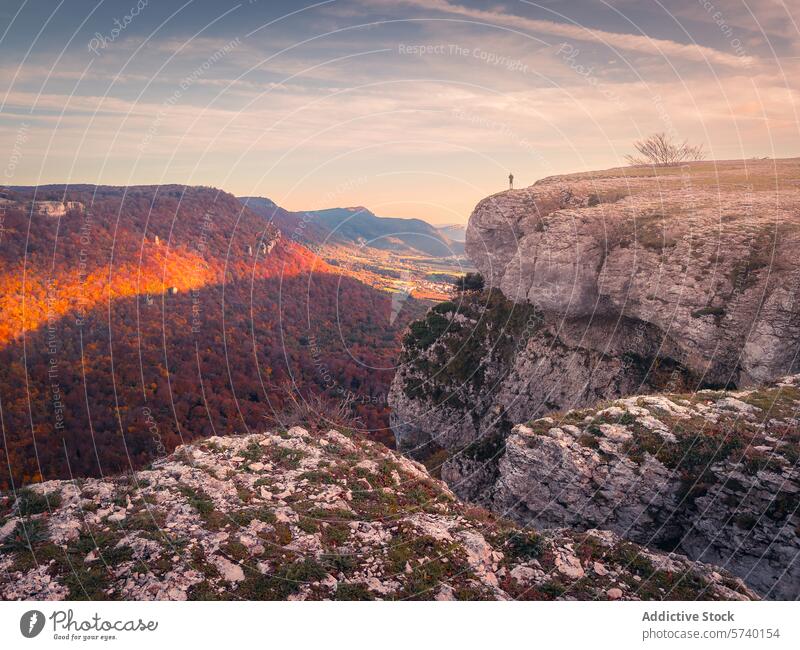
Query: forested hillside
[[148, 316]]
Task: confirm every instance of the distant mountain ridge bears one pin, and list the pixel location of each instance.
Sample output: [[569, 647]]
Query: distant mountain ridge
[[291, 224], [360, 226], [456, 232]]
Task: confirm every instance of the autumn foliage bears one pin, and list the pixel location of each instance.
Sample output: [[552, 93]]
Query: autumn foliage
[[155, 316]]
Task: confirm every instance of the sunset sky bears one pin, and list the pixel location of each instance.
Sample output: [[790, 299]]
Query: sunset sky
[[414, 108]]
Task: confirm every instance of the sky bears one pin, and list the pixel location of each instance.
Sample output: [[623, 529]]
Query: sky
[[413, 108]]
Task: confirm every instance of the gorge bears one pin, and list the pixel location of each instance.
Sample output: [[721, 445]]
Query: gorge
[[612, 413]]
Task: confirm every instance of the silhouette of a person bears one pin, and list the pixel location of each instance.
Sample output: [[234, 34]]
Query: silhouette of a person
[[511, 181]]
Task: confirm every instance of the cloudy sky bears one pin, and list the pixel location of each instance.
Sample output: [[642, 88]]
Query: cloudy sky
[[410, 107]]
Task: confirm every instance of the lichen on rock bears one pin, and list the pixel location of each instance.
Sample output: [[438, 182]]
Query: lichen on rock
[[306, 515]]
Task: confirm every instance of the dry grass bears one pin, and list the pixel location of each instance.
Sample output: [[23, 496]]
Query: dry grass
[[762, 175]]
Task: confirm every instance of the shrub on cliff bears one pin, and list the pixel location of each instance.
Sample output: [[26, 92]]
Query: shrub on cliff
[[659, 149], [470, 282]]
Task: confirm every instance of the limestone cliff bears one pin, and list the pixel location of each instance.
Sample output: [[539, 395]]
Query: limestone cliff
[[714, 475], [617, 282], [610, 284], [702, 260]]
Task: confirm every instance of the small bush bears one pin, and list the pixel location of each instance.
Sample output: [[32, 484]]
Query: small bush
[[26, 534], [444, 307], [424, 333], [32, 503], [522, 545], [470, 282], [288, 579], [352, 592], [317, 412]]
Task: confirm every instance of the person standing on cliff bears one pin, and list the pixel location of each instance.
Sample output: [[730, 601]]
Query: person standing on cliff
[[511, 181]]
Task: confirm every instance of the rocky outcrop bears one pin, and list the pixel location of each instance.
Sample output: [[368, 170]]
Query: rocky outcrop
[[704, 255], [626, 282], [714, 475], [299, 515], [474, 367], [711, 474], [619, 282]]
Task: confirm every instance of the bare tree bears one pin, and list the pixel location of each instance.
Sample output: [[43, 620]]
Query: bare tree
[[659, 149]]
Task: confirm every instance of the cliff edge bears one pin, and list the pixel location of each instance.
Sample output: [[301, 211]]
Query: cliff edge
[[703, 257], [679, 285]]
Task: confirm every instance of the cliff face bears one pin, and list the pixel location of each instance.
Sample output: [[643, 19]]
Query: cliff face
[[713, 475], [616, 282], [619, 283], [475, 366], [301, 515], [705, 256]]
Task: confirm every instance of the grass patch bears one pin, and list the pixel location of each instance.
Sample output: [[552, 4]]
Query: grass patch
[[354, 591], [291, 577], [338, 562], [30, 502], [201, 502], [26, 534], [285, 457], [253, 452], [520, 545], [198, 499]]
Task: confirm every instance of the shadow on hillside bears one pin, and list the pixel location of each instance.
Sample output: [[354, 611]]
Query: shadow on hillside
[[142, 375]]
